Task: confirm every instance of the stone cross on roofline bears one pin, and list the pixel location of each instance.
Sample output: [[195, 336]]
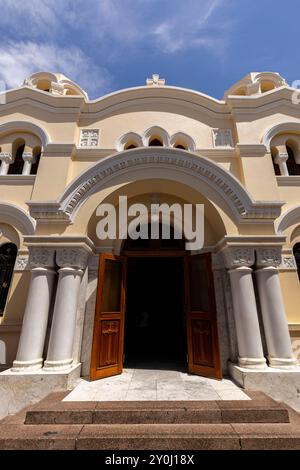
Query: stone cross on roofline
[[155, 80]]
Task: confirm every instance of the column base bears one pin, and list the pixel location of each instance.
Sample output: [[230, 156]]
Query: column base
[[23, 366], [254, 363], [283, 363], [56, 366]]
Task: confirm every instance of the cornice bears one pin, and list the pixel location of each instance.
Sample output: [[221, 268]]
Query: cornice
[[292, 180], [20, 180], [61, 149], [251, 241], [59, 241], [251, 150], [215, 176]]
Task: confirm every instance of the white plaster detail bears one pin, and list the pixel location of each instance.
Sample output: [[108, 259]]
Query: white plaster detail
[[222, 138], [26, 126], [289, 217], [89, 138], [22, 263], [288, 262], [6, 160]]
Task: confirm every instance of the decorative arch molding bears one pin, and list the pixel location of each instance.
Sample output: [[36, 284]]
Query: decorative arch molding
[[165, 163], [129, 136], [288, 218], [19, 126], [185, 138], [289, 127], [17, 217], [156, 131]]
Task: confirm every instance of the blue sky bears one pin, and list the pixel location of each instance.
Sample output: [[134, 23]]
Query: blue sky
[[106, 45]]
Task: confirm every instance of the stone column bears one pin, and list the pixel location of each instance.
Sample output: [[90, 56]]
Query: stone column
[[278, 340], [250, 350], [6, 160], [72, 261], [28, 161], [35, 320], [280, 159]]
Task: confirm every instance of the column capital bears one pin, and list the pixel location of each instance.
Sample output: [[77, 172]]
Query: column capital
[[41, 257], [28, 157], [281, 157], [71, 257], [268, 257], [238, 257], [6, 157]]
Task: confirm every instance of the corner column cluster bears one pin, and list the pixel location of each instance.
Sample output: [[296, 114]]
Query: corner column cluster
[[44, 261], [240, 262]]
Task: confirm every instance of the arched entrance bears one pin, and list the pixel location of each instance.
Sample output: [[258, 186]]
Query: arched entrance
[[155, 303]]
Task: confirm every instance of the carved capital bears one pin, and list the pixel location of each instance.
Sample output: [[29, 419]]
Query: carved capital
[[28, 157], [236, 257], [6, 157], [41, 257], [71, 257], [268, 256]]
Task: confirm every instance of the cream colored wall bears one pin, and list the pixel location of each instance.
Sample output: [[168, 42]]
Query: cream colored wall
[[62, 119]]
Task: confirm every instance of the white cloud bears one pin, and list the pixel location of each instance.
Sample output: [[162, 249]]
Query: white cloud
[[19, 60]]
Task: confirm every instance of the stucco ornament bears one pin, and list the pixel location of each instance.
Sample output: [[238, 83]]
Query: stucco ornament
[[236, 257], [21, 263], [71, 258], [41, 257], [268, 256]]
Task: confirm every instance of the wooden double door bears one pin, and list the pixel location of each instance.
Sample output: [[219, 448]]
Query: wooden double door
[[198, 313]]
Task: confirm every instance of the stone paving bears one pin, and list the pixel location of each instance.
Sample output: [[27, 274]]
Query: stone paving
[[156, 384]]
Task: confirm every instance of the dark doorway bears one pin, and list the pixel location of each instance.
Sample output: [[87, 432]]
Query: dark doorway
[[155, 326]]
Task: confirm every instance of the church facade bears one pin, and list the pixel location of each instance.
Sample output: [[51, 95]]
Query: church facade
[[74, 305]]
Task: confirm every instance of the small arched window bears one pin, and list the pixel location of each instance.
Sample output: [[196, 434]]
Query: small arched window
[[16, 167], [180, 146], [130, 145], [296, 251], [36, 156], [293, 167], [8, 253], [155, 142]]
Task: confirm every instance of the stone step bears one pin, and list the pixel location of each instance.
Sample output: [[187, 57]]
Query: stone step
[[149, 437], [260, 410]]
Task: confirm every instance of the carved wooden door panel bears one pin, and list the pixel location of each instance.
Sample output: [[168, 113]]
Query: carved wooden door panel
[[108, 339], [202, 334]]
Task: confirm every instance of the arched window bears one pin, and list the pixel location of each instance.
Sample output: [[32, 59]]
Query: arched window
[[296, 251], [155, 142], [44, 85], [16, 167], [293, 167], [129, 146], [8, 253], [36, 155], [180, 146]]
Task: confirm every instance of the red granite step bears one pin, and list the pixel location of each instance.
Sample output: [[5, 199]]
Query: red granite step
[[260, 410]]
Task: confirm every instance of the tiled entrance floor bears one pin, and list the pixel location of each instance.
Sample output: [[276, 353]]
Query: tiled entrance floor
[[154, 384]]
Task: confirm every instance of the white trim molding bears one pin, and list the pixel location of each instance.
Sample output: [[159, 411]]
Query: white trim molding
[[125, 138], [19, 126], [183, 138], [288, 218], [14, 215], [289, 127], [176, 163], [156, 131]]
